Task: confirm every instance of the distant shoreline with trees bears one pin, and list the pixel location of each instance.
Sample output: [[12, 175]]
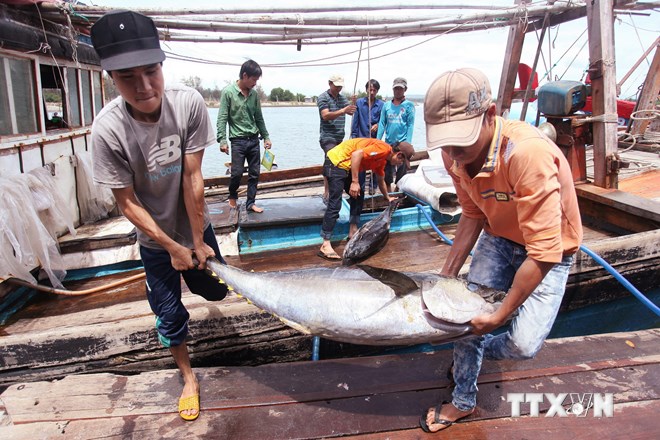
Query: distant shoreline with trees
[[278, 97], [216, 104]]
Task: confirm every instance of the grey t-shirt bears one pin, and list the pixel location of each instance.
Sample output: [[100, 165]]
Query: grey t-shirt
[[149, 156]]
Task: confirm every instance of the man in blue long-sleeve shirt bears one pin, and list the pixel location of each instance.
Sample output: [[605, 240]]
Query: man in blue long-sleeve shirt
[[366, 118], [397, 120], [367, 114]]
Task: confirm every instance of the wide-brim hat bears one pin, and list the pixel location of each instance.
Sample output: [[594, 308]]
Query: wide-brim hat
[[454, 107], [126, 39]]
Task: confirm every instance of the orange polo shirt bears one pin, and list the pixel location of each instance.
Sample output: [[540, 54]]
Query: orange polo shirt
[[524, 191], [375, 153]]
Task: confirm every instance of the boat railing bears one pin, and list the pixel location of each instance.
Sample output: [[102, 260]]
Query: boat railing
[[32, 140]]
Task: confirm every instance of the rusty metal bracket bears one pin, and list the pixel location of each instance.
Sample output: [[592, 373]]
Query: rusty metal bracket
[[614, 163], [565, 140], [596, 69]]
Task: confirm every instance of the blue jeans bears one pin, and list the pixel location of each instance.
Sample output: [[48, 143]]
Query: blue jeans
[[339, 180], [327, 145], [242, 149], [394, 174], [494, 265]]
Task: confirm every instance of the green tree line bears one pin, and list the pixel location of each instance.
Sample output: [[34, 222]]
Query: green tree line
[[213, 94]]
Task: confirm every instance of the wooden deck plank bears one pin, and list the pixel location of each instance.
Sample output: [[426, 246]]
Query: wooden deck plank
[[101, 395], [109, 395], [271, 176], [223, 219], [645, 185], [640, 421], [364, 414], [632, 421], [621, 209], [108, 232], [397, 254]]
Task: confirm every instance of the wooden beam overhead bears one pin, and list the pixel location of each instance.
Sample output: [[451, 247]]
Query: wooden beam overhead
[[649, 95], [512, 55]]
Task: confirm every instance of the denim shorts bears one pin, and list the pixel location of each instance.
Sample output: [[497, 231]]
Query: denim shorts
[[164, 290]]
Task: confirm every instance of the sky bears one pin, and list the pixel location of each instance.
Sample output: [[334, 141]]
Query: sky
[[418, 59]]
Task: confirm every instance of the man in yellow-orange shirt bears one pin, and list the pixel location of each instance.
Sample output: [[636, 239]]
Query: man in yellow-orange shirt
[[342, 166]]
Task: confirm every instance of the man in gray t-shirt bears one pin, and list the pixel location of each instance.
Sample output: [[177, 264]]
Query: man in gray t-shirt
[[147, 147]]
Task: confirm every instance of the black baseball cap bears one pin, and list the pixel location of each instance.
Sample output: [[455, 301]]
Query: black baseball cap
[[126, 39]]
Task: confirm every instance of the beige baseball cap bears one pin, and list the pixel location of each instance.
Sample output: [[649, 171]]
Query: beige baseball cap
[[454, 106], [337, 80], [399, 82]]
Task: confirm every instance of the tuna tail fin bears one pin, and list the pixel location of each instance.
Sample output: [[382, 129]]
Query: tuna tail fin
[[401, 284], [394, 204]]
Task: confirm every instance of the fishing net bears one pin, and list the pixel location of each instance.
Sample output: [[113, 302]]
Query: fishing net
[[25, 240], [95, 201]]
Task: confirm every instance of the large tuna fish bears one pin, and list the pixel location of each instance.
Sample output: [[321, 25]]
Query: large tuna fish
[[371, 237], [362, 305]]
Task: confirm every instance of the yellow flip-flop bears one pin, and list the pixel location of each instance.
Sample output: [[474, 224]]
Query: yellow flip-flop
[[186, 403]]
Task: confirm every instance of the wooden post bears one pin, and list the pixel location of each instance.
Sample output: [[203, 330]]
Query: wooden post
[[602, 71], [649, 94], [528, 88], [514, 47]]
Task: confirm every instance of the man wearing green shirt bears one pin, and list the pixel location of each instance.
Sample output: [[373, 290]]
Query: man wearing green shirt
[[241, 109]]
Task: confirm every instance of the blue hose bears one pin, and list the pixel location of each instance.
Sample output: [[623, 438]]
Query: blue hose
[[435, 228], [316, 342], [627, 284]]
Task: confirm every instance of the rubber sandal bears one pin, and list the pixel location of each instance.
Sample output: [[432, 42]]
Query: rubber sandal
[[330, 257], [190, 402], [436, 419]]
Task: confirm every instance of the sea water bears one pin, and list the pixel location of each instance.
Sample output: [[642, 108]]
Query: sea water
[[294, 132]]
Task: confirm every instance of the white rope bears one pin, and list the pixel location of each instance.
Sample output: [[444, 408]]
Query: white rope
[[43, 48], [370, 174], [652, 114], [649, 137], [607, 118], [627, 137], [357, 69]]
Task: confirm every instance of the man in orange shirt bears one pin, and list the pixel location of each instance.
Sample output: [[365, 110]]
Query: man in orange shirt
[[516, 190], [343, 164]]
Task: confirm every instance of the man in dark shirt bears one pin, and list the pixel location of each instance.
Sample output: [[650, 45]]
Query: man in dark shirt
[[333, 108]]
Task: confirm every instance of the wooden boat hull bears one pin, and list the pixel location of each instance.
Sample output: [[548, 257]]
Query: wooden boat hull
[[115, 331]]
